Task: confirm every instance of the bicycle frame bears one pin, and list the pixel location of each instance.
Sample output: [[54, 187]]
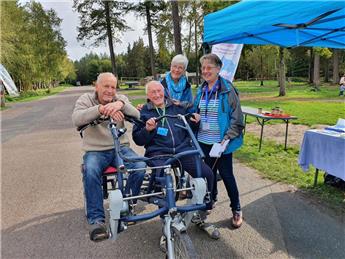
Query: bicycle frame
[[175, 216]]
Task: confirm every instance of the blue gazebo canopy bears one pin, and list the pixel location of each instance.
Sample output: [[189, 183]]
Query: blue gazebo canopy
[[282, 22]]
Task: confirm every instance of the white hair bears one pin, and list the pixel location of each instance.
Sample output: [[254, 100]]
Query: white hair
[[180, 59], [103, 75], [151, 82]]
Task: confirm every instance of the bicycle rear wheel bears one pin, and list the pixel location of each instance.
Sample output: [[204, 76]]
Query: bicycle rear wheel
[[182, 245]]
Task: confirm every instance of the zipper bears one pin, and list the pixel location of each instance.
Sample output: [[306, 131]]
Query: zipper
[[172, 136]]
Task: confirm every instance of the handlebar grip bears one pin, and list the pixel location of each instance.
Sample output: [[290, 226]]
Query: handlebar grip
[[159, 118]]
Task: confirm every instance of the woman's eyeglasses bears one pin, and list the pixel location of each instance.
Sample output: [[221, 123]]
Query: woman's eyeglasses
[[207, 68]]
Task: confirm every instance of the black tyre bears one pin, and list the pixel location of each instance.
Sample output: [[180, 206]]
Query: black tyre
[[177, 181], [182, 245]]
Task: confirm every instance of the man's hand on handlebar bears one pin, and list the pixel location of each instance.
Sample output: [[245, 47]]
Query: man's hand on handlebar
[[117, 116], [151, 124], [111, 108], [195, 118]]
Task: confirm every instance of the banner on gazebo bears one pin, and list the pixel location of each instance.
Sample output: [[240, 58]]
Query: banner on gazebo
[[230, 56]]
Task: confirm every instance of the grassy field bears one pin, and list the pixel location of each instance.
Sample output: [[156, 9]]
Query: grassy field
[[36, 94], [311, 108]]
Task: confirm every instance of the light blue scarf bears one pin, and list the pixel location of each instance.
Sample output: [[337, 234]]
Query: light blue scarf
[[176, 90]]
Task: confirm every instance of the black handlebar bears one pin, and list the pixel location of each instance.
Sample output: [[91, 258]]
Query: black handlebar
[[130, 119], [178, 116]]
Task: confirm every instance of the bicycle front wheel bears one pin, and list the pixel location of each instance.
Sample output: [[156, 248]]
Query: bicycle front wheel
[[182, 245]]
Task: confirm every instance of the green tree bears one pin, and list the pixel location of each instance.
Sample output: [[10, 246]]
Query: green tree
[[150, 10], [101, 20], [32, 46], [136, 59]]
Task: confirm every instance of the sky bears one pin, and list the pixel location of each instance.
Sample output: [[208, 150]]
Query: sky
[[69, 31]]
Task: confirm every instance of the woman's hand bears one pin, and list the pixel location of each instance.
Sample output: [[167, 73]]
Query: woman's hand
[[151, 124]]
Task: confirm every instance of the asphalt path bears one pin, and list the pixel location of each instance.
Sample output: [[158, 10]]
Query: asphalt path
[[42, 213]]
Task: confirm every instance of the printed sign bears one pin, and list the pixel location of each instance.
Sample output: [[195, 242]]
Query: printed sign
[[229, 55]]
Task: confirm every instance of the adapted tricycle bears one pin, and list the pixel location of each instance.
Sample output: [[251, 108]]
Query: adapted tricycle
[[160, 189]]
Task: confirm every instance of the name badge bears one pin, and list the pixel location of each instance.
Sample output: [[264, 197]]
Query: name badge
[[162, 131], [205, 125]]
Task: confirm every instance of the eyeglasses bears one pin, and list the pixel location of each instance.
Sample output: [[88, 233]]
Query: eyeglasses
[[178, 67], [207, 68]]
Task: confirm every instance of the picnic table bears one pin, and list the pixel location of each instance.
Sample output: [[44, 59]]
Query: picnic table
[[264, 117]]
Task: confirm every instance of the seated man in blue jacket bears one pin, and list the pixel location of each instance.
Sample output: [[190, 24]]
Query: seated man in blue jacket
[[165, 138]]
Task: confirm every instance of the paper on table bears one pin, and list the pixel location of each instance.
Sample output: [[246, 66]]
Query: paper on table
[[217, 149]]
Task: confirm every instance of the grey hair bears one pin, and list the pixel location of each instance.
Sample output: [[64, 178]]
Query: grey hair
[[150, 82], [212, 58], [180, 59], [103, 75]]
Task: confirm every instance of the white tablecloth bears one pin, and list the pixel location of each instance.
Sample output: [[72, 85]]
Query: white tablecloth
[[325, 150]]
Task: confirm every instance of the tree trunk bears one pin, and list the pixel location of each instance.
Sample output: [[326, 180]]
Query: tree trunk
[[110, 38], [335, 66], [316, 74], [281, 72], [149, 32], [327, 71], [189, 38], [311, 58], [261, 71], [177, 27], [2, 93], [196, 51]]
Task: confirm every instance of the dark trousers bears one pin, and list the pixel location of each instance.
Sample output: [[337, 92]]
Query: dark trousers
[[224, 166], [189, 165]]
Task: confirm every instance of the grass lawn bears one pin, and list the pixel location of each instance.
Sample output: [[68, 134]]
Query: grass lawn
[[311, 108], [36, 94]]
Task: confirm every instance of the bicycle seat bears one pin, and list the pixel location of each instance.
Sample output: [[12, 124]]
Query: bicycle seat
[[110, 170]]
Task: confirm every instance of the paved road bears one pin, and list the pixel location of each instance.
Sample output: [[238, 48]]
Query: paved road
[[42, 204]]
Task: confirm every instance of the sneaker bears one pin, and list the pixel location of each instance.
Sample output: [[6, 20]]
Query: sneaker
[[236, 220], [163, 244], [211, 230], [98, 232]]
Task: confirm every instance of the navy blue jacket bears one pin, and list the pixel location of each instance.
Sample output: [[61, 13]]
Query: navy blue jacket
[[177, 139]]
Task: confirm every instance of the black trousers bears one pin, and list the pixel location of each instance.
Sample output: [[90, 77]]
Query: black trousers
[[189, 165], [224, 166]]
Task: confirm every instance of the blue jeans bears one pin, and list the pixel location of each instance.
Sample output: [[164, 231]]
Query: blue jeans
[[95, 162], [224, 166]]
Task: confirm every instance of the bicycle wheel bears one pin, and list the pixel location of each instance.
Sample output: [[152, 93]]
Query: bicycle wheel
[[177, 181], [182, 245]]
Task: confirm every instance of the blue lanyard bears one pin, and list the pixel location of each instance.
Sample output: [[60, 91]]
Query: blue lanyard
[[207, 100]]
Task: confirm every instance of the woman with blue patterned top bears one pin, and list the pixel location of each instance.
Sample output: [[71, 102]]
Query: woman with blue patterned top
[[218, 104], [176, 85]]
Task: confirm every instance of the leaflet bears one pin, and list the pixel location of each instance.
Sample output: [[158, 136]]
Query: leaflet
[[218, 149]]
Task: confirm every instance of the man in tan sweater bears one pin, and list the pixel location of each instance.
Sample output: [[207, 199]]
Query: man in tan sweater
[[98, 145]]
